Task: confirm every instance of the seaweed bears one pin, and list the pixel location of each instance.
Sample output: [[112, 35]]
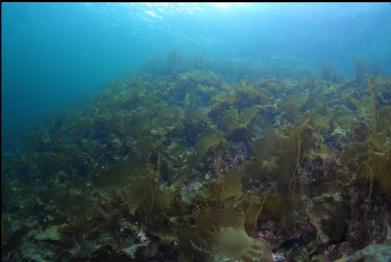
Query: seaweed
[[220, 223], [196, 160], [360, 70], [328, 72]]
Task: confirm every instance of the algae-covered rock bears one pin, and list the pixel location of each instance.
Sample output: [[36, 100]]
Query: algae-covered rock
[[327, 214], [50, 233], [34, 252], [372, 253]]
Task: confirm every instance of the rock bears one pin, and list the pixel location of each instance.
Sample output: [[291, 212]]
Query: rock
[[375, 253]]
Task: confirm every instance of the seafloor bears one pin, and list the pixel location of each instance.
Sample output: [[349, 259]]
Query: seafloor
[[196, 160]]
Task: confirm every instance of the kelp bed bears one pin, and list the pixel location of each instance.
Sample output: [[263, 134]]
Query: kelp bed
[[200, 161]]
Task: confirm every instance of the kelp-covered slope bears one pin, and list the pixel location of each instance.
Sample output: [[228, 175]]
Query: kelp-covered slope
[[207, 163]]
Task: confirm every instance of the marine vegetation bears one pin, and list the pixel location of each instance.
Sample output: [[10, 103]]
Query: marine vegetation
[[196, 160]]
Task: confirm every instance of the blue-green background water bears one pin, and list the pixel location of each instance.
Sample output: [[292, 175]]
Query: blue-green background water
[[55, 55]]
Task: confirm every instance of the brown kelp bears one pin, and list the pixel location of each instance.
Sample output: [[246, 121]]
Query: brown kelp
[[196, 160]]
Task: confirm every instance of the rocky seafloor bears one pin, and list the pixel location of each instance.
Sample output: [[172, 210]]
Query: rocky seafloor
[[199, 161]]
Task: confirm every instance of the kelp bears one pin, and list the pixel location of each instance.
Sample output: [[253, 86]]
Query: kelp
[[275, 206], [122, 173], [226, 187], [192, 162], [288, 161], [254, 209], [375, 156], [384, 122], [209, 142], [218, 231], [292, 105]]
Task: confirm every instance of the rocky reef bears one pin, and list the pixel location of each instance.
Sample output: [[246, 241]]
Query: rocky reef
[[194, 160]]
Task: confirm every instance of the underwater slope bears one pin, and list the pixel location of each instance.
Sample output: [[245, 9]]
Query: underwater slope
[[198, 161]]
